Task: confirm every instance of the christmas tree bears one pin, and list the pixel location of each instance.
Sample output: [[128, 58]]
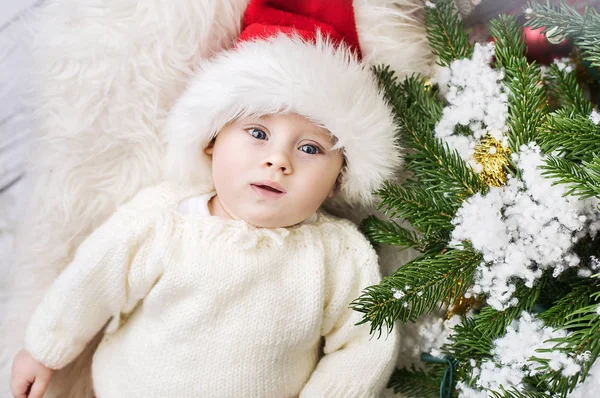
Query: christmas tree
[[502, 201]]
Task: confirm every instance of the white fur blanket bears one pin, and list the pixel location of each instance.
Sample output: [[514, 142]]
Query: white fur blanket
[[11, 208]]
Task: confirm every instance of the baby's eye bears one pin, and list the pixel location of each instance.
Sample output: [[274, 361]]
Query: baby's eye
[[310, 149], [257, 133]]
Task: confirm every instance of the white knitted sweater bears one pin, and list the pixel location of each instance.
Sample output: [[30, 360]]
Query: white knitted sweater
[[206, 307]]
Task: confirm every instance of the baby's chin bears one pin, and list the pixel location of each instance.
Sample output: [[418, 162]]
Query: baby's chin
[[273, 220], [272, 224]]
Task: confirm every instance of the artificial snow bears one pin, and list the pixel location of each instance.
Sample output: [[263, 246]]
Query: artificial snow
[[595, 117], [398, 294], [512, 358], [427, 335], [565, 64], [590, 386], [476, 98], [522, 229]]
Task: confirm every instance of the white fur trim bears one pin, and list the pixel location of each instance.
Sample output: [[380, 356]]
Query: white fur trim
[[392, 32], [286, 74]]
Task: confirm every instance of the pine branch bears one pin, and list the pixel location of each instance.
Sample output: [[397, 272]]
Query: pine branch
[[556, 13], [513, 393], [581, 180], [414, 103], [469, 343], [445, 32], [507, 35], [441, 169], [562, 21], [584, 337], [493, 323], [556, 288], [416, 383], [527, 100], [565, 90], [574, 136], [389, 232], [574, 301], [414, 93], [421, 100], [424, 282], [425, 209], [473, 339]]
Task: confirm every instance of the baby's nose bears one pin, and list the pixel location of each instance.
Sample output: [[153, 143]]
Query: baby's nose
[[280, 161]]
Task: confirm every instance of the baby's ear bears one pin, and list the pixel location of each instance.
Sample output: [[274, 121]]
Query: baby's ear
[[210, 148], [336, 187]]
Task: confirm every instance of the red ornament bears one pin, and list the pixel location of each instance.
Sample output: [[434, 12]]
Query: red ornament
[[540, 49]]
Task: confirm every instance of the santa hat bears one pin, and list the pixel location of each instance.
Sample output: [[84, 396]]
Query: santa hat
[[291, 56]]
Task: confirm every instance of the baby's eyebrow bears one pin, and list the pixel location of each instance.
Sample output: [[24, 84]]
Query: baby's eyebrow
[[322, 139], [250, 119], [326, 136]]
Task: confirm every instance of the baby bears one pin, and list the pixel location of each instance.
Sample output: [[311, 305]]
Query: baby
[[224, 280]]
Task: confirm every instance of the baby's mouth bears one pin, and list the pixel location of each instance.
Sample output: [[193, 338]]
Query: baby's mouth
[[268, 191], [268, 188]]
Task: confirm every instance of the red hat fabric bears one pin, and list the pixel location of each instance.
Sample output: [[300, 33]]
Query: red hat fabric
[[292, 56], [332, 18]]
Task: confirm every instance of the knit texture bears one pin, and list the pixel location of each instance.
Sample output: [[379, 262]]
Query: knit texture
[[202, 306]]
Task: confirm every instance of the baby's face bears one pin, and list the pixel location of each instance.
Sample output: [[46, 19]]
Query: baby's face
[[273, 171]]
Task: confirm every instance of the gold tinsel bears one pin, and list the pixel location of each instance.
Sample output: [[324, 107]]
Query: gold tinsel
[[493, 157], [462, 305]]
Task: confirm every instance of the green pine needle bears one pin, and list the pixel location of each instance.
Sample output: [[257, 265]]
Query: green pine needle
[[564, 308], [574, 136], [431, 161], [468, 342], [584, 338], [513, 393], [494, 323], [416, 383], [389, 232], [425, 282], [445, 32], [582, 180], [565, 90], [527, 101], [507, 35], [426, 210]]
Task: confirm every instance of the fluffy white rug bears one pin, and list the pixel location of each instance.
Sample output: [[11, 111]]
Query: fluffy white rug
[[11, 207]]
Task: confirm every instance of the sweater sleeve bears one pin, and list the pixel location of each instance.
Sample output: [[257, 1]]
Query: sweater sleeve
[[355, 363], [107, 275]]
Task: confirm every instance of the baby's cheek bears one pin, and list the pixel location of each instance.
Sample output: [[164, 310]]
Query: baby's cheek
[[310, 204], [228, 167]]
